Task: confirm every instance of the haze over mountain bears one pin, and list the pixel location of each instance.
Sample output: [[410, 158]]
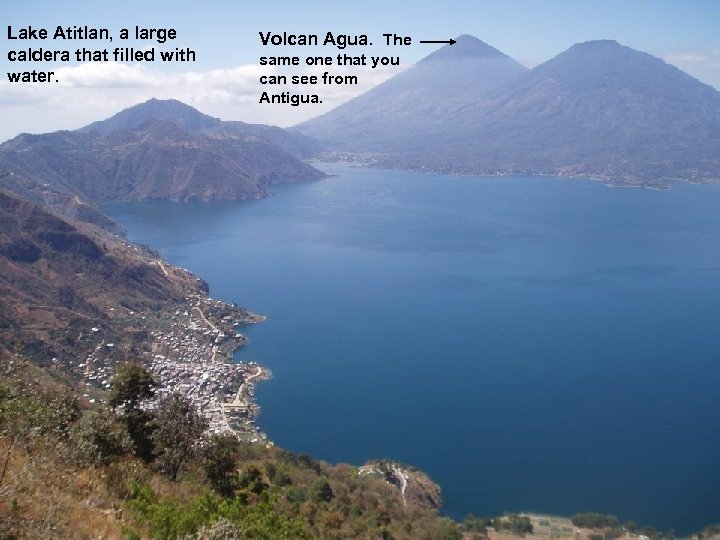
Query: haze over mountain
[[193, 121], [418, 98], [155, 150], [599, 109]]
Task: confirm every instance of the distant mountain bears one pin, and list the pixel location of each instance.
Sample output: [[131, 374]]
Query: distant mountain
[[155, 150], [602, 109], [197, 123], [170, 110], [417, 99], [599, 109]]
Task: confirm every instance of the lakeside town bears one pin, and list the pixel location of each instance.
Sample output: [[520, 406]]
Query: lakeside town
[[188, 350]]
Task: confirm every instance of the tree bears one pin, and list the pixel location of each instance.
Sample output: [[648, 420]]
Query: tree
[[177, 430], [472, 523], [514, 523], [593, 520], [650, 532], [219, 463], [140, 427], [252, 480], [130, 386], [321, 490], [630, 526], [101, 437]]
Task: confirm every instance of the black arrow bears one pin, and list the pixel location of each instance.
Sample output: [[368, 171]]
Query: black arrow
[[449, 41]]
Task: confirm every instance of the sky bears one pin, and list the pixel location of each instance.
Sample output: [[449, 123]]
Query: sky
[[224, 79]]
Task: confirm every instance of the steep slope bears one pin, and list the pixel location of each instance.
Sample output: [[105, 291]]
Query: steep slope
[[58, 198], [419, 98], [60, 279]]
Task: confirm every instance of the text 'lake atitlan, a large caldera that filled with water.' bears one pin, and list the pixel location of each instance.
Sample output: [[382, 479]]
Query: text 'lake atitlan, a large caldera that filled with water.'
[[531, 343]]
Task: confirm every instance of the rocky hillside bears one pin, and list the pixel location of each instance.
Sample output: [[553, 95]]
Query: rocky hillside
[[66, 288], [415, 488]]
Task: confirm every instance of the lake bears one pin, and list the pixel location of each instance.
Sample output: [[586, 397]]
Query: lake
[[531, 343]]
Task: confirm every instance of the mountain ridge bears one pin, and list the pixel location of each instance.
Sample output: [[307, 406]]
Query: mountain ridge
[[465, 46], [411, 102], [154, 150], [59, 278], [184, 116], [195, 122], [599, 109]]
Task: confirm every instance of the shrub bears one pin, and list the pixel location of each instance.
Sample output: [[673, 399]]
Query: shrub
[[219, 463], [177, 430], [592, 520], [99, 438], [252, 480], [513, 523], [472, 523], [321, 491]]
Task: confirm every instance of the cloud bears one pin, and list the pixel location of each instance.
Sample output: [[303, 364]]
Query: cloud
[[107, 75], [92, 91], [703, 65]]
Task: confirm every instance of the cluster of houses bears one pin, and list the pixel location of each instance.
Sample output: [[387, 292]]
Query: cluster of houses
[[191, 353]]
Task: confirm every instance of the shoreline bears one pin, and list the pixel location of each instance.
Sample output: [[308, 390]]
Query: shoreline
[[251, 374], [222, 389], [189, 349], [660, 184]]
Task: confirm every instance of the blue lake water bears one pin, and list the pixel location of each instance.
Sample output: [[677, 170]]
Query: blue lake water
[[531, 343]]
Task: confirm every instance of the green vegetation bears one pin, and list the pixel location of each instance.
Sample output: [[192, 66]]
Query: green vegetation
[[88, 473], [591, 520], [608, 527], [131, 387], [78, 472], [100, 437], [219, 464], [513, 523], [475, 528], [168, 517], [709, 531], [176, 430]]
